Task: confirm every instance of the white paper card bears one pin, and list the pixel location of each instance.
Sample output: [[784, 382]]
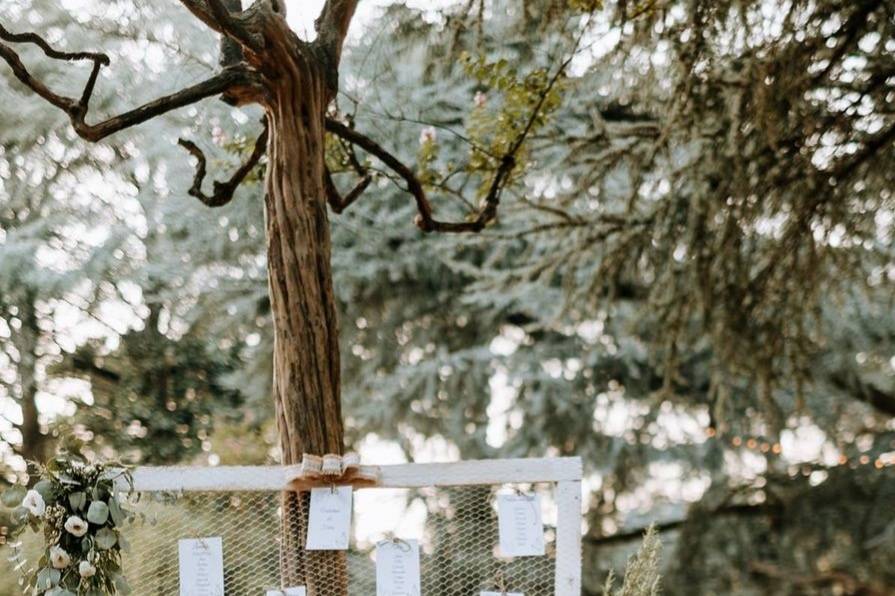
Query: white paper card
[[520, 526], [330, 518], [398, 568], [502, 594], [201, 567], [298, 591]]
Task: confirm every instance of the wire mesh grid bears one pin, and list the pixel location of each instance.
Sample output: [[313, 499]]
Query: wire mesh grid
[[263, 533]]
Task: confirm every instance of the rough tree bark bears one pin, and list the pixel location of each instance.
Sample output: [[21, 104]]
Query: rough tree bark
[[306, 350]]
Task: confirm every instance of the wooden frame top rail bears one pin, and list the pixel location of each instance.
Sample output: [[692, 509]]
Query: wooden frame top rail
[[276, 478]]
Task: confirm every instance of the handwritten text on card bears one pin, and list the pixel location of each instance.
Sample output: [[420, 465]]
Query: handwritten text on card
[[520, 526], [329, 521], [398, 568], [201, 567]]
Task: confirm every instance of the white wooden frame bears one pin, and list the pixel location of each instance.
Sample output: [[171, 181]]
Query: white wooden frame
[[565, 473]]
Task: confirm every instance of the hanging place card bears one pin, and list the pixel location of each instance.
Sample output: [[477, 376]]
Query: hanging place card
[[330, 518], [398, 568], [201, 567], [299, 591], [520, 526]]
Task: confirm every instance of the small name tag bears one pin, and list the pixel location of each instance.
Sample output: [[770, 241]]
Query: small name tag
[[520, 527], [201, 567], [398, 568], [330, 518]]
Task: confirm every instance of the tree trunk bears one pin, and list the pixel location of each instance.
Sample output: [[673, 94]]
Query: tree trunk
[[306, 350]]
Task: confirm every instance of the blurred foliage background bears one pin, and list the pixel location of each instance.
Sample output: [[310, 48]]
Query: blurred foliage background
[[690, 283]]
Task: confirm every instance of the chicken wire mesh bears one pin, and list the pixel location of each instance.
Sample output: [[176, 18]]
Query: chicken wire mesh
[[456, 526]]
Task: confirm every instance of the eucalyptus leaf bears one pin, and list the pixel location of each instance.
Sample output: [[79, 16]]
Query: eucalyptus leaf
[[125, 545], [106, 538], [122, 585], [77, 500], [45, 489], [12, 497], [115, 510], [19, 516], [98, 513], [48, 577]]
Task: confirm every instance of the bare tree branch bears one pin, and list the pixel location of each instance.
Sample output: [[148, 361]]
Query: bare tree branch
[[87, 366], [425, 220], [233, 27], [414, 186], [223, 191], [337, 202], [479, 219], [201, 11], [60, 101], [850, 383], [51, 52], [227, 80], [219, 17], [332, 25], [760, 510]]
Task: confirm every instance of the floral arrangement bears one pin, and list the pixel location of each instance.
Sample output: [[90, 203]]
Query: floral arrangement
[[77, 506]]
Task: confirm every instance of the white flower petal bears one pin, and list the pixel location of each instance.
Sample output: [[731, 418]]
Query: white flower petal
[[85, 569], [76, 526], [34, 503], [59, 559]]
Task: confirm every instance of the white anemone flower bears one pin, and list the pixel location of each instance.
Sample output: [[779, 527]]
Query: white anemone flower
[[34, 503], [59, 559], [85, 569], [76, 526]]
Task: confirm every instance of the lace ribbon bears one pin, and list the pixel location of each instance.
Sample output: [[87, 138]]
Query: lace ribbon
[[333, 470]]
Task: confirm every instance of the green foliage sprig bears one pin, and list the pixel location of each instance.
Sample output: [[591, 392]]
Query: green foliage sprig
[[642, 573], [520, 104], [77, 507], [498, 129]]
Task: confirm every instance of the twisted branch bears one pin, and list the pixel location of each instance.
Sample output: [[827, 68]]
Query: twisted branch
[[479, 219], [332, 25], [226, 80], [426, 220], [336, 201], [233, 27], [223, 191], [218, 17]]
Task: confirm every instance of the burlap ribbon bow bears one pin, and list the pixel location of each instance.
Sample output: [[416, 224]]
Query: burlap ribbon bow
[[333, 470]]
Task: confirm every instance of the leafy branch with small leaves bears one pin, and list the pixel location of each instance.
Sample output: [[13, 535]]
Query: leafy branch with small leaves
[[642, 573], [77, 506]]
